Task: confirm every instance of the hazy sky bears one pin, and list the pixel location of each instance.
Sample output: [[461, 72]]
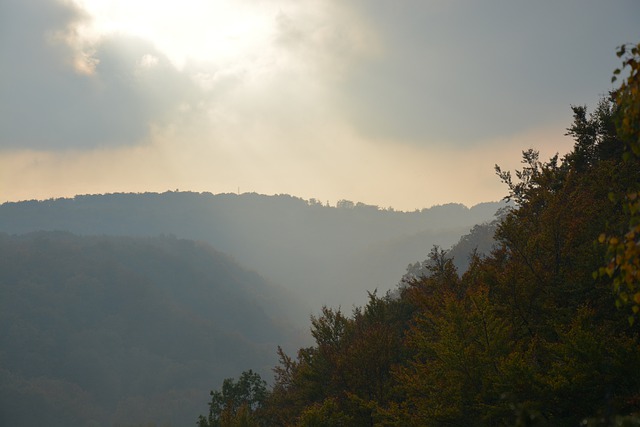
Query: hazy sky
[[394, 103]]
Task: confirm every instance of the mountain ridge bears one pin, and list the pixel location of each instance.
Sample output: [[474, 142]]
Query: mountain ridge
[[302, 245]]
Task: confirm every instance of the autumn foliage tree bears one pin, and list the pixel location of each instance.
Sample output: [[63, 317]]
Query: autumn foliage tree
[[237, 404], [623, 264]]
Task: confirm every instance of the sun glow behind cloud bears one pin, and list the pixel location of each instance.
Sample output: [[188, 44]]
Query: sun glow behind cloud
[[335, 164], [197, 30], [402, 107]]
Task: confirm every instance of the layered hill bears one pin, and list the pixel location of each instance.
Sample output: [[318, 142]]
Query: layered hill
[[102, 331], [324, 255]]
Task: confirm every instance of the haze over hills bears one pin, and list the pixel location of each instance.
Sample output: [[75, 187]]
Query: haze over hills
[[324, 255], [97, 331], [126, 322]]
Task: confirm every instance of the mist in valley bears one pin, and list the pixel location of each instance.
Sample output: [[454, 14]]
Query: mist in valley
[[431, 197], [115, 303], [322, 255]]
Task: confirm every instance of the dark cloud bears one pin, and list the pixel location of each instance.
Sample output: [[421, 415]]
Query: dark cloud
[[466, 70], [49, 103], [453, 71]]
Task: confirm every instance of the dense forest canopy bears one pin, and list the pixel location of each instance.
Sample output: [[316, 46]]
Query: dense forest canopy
[[543, 331]]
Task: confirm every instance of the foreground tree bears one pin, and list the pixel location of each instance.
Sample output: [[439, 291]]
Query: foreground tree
[[237, 404], [346, 377], [526, 334], [623, 248]]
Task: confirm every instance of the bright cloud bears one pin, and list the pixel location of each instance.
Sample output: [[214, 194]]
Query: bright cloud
[[198, 30], [402, 106]]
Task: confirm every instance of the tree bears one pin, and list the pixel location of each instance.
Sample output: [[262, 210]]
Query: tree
[[237, 402], [628, 98], [569, 332], [346, 377], [623, 249], [526, 333]]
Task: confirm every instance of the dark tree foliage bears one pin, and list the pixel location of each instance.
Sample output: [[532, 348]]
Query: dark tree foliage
[[346, 378], [623, 245], [236, 403]]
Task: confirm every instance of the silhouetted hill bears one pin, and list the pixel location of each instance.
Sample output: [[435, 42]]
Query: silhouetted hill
[[480, 239], [102, 330], [325, 255]]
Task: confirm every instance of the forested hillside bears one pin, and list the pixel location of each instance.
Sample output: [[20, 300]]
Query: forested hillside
[[326, 255], [103, 331], [479, 241], [544, 331]]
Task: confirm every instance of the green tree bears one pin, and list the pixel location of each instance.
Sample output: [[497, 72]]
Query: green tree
[[458, 337], [237, 403]]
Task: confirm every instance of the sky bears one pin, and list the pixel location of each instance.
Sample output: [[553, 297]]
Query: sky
[[403, 104]]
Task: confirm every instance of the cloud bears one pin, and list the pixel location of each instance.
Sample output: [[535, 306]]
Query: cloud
[[429, 73], [361, 100], [60, 92], [459, 72], [331, 163]]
